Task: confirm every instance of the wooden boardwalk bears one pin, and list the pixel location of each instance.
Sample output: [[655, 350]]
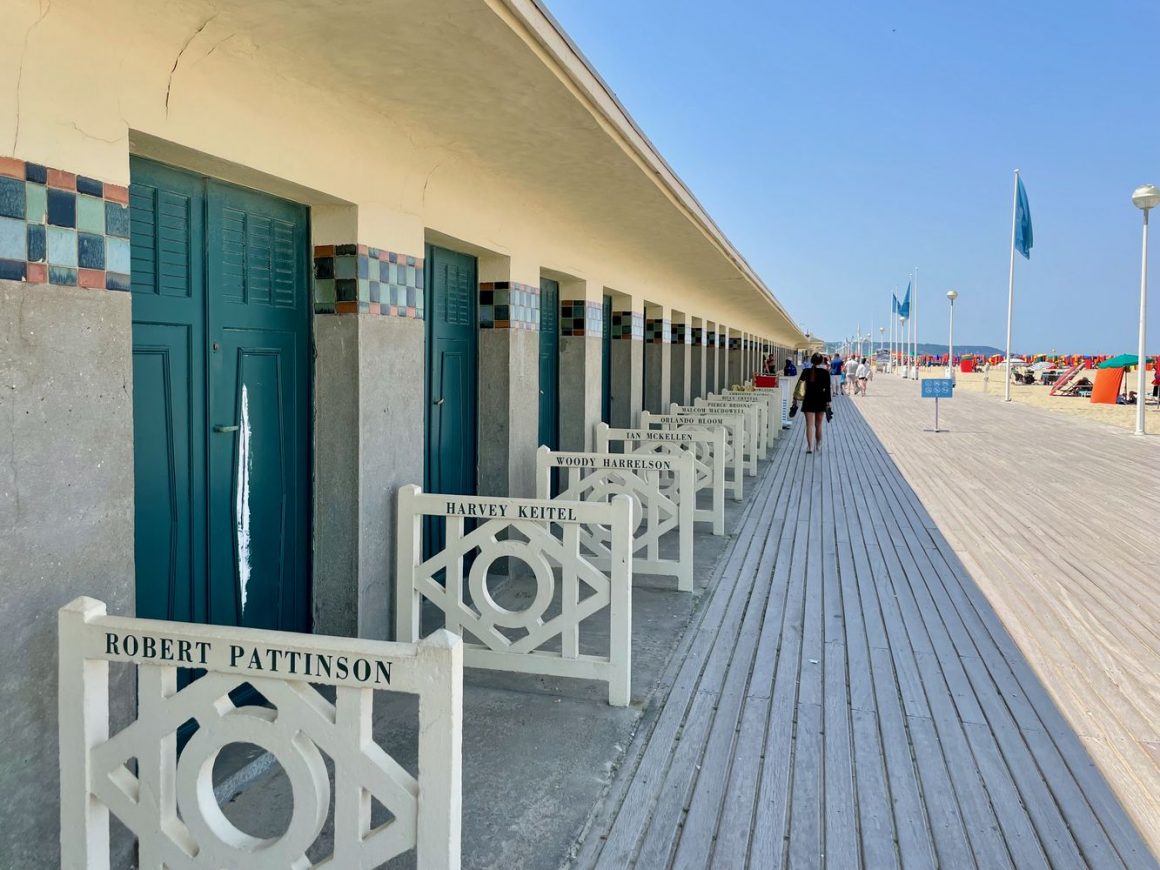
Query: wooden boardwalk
[[1058, 521], [848, 698]]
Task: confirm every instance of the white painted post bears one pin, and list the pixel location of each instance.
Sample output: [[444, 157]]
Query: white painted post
[[439, 834], [620, 610], [83, 713], [409, 524]]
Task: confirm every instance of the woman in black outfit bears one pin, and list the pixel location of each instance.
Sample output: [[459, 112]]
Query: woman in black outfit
[[814, 389]]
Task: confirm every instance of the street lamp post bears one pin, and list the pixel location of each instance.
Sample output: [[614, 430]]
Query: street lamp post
[[1144, 198], [952, 295]]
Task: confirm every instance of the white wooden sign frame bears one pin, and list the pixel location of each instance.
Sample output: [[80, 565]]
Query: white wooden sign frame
[[750, 427], [549, 541], [772, 398], [788, 385], [659, 507], [169, 803], [699, 418], [760, 409], [707, 447]]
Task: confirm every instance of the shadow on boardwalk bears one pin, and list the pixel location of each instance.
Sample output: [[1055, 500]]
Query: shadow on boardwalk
[[849, 698]]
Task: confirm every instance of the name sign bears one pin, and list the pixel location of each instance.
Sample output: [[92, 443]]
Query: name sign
[[611, 460], [696, 417], [651, 435], [510, 509], [251, 652], [938, 388]]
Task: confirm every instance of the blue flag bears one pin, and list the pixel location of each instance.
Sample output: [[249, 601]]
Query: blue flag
[[904, 305], [1024, 238], [893, 304]]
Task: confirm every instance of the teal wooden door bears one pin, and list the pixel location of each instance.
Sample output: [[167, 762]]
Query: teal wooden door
[[550, 363], [222, 356], [452, 340], [606, 364]]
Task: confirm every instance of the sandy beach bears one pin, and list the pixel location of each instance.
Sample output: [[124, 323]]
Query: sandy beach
[[1123, 416]]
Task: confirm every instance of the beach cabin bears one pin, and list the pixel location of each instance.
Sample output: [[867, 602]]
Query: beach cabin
[[260, 268]]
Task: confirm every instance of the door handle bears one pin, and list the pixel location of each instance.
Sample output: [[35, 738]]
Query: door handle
[[225, 428], [439, 402]]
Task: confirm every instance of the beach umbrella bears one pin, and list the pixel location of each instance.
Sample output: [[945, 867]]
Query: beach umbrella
[[1123, 361]]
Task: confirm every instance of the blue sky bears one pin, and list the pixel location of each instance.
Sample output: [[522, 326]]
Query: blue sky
[[840, 144]]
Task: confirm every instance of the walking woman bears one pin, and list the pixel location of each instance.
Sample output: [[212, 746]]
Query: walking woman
[[813, 391]]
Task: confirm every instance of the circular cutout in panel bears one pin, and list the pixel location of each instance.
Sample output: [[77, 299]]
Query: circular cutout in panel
[[487, 606], [605, 491], [219, 841]]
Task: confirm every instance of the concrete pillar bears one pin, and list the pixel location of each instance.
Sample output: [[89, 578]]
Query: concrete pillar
[[709, 357], [66, 524], [713, 366], [369, 377], [509, 381], [657, 357], [723, 382], [681, 359], [735, 361], [581, 330], [627, 359], [696, 359]]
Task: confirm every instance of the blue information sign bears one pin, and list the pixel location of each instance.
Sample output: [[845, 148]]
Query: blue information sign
[[938, 388]]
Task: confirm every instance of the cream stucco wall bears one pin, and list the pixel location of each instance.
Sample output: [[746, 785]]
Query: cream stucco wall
[[313, 101]]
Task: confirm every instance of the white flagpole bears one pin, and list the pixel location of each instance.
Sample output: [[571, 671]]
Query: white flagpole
[[915, 304], [1011, 288], [910, 326]]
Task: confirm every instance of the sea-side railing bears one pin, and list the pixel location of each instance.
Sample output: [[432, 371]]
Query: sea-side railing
[[707, 447], [167, 800], [545, 536], [661, 492]]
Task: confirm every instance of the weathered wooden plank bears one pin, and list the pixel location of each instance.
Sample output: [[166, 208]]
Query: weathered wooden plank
[[918, 733], [806, 826], [1089, 833]]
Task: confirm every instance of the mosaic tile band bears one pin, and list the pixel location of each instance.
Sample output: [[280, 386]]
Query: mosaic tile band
[[627, 325], [657, 331], [678, 333], [60, 228], [580, 317], [508, 305], [360, 279]]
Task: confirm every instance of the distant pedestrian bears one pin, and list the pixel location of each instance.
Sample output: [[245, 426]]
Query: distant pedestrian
[[836, 365], [850, 375], [863, 375], [813, 392]]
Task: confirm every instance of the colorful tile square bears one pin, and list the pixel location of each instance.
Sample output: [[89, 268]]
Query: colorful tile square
[[12, 270], [62, 248], [13, 239], [11, 198], [118, 255], [90, 186], [37, 243], [91, 251], [62, 208], [62, 275], [35, 203], [90, 215]]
